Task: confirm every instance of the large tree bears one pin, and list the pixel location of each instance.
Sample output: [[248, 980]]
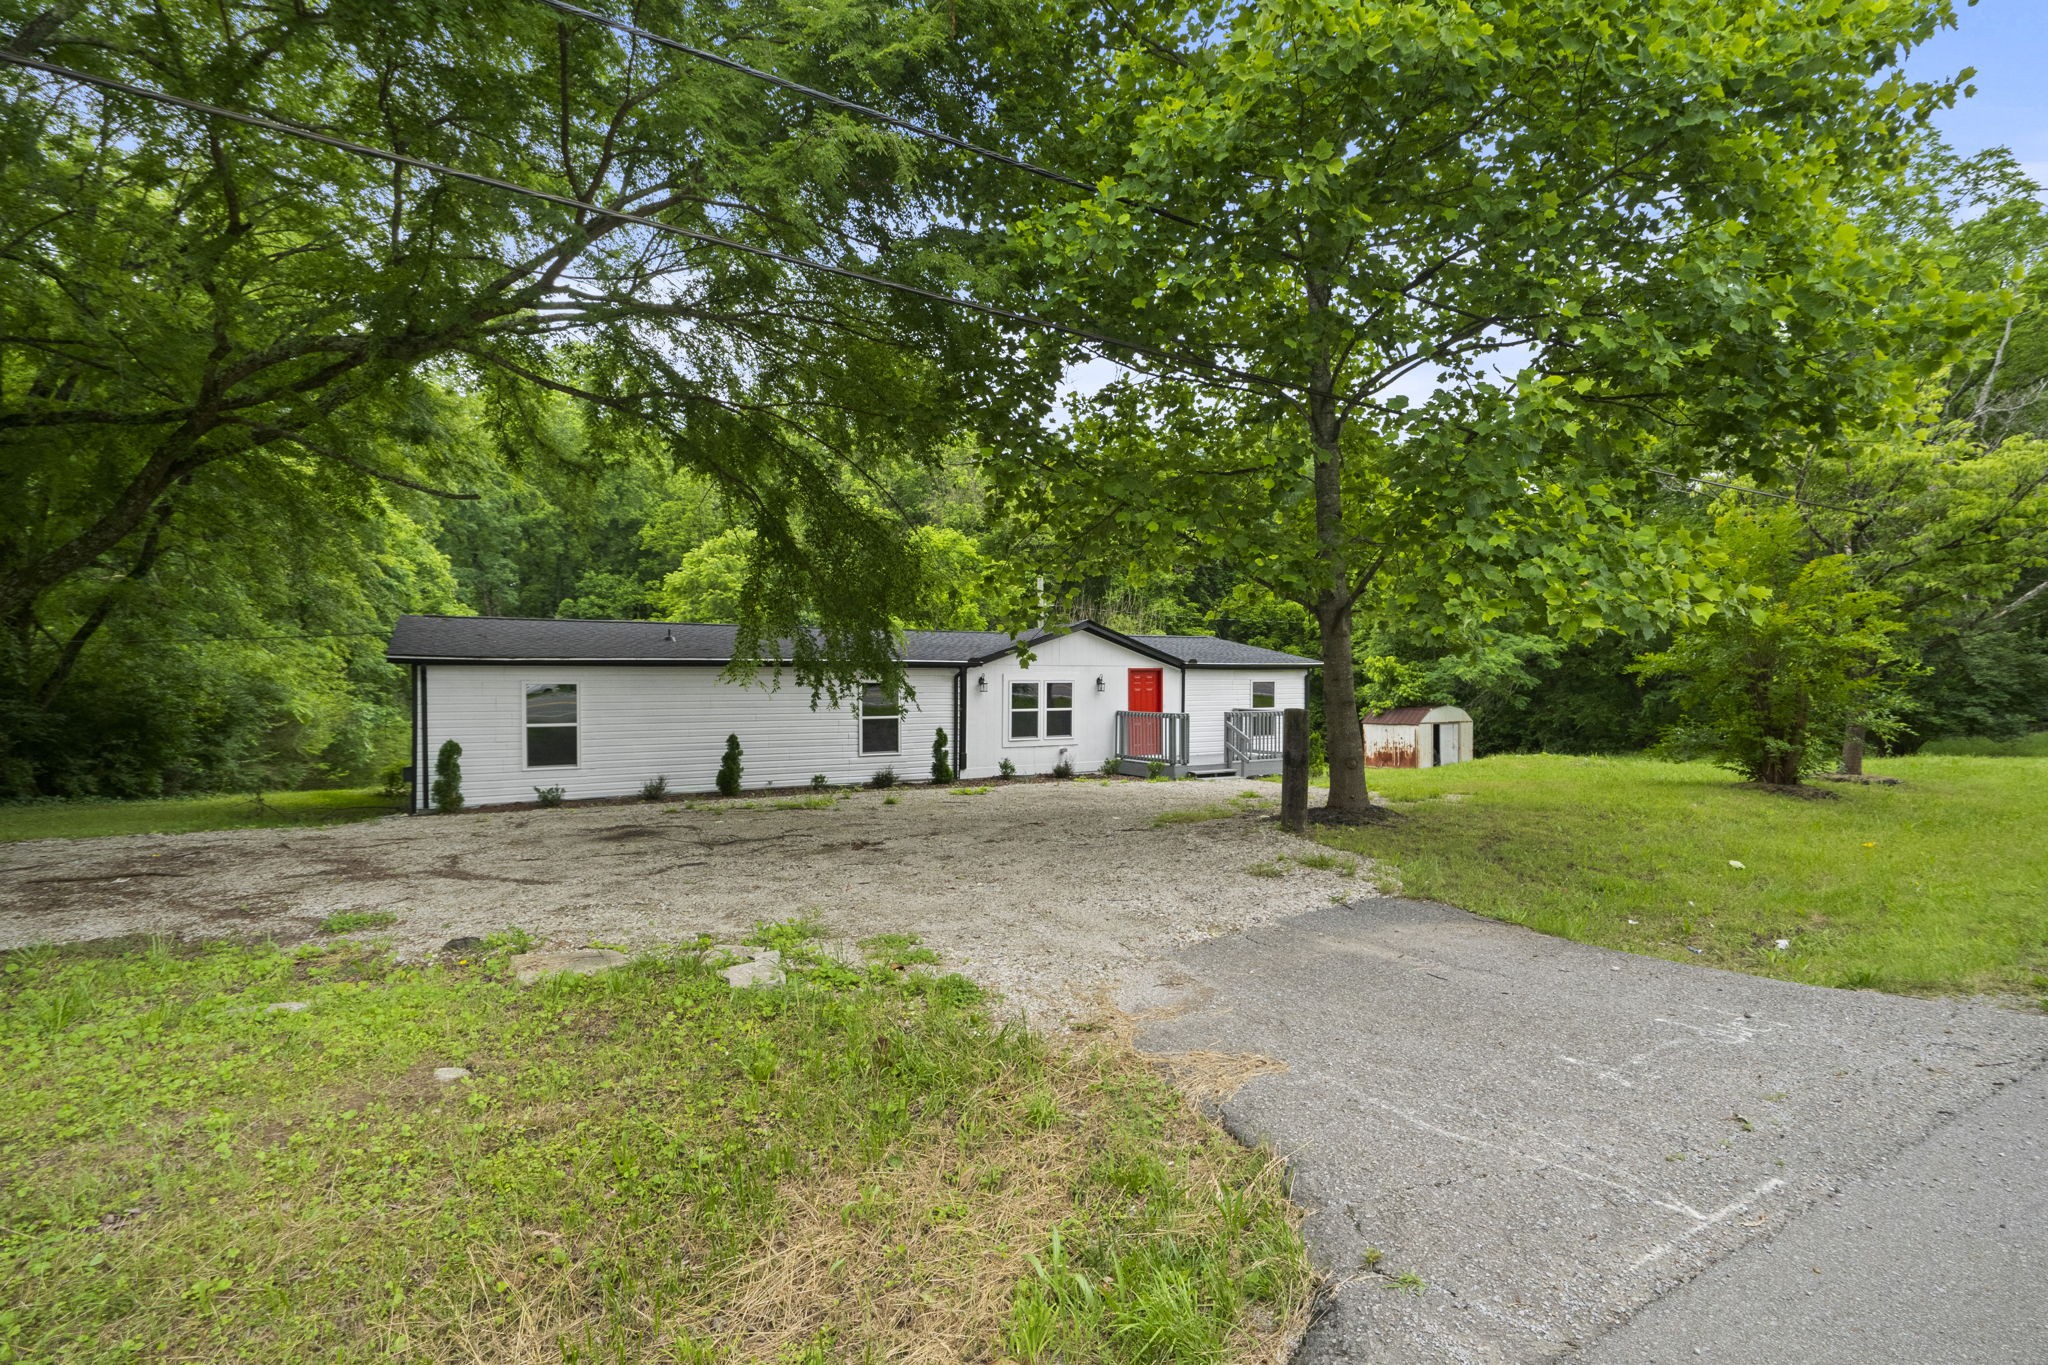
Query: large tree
[[194, 308], [1631, 205]]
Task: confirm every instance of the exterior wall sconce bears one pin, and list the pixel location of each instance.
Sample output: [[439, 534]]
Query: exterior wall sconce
[[981, 682], [1100, 685]]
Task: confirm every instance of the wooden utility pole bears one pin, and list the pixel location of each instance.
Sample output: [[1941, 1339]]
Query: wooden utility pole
[[1294, 770]]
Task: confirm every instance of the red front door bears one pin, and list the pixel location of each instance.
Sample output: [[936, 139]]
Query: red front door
[[1147, 689], [1145, 733]]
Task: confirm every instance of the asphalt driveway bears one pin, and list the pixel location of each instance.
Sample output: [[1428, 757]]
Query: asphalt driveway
[[1518, 1148]]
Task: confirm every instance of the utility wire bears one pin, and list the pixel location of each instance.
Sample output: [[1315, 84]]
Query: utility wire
[[245, 639], [626, 216], [840, 102]]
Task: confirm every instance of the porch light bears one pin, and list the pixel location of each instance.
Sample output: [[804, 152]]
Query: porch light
[[1100, 685], [981, 682]]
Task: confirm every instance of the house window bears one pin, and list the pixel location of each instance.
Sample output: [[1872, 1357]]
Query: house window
[[1262, 695], [1059, 710], [881, 721], [1023, 710], [551, 725]]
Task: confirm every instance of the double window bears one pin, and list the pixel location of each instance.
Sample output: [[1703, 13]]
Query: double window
[[1041, 709], [1262, 696], [881, 721], [551, 725]]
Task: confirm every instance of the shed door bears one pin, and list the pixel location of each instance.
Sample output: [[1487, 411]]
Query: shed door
[[1148, 689], [1447, 742]]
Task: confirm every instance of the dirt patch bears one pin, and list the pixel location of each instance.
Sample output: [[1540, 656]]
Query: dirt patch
[[1040, 889], [1798, 792]]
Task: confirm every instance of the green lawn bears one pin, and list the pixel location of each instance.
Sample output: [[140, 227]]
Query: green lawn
[[2026, 746], [643, 1166], [1937, 885], [184, 815]]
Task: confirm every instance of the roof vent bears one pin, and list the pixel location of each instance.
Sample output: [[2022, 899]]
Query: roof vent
[[668, 637]]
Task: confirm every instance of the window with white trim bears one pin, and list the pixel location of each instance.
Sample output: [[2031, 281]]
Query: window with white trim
[[1262, 695], [1041, 710], [1059, 710], [551, 725], [1023, 710], [881, 721]]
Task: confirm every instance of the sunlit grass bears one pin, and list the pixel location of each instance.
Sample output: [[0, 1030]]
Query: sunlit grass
[[1937, 885]]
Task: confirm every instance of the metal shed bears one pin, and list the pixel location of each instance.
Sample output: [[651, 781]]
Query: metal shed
[[1418, 737]]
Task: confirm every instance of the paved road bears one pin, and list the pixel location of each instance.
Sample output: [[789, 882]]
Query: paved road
[[1555, 1139]]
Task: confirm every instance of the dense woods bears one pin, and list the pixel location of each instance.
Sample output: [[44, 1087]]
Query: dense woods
[[1710, 317]]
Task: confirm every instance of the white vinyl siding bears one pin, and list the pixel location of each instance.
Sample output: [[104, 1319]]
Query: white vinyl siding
[[635, 722], [1213, 691]]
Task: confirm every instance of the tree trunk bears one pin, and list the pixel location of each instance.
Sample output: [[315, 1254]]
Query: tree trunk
[[1852, 749], [1343, 738]]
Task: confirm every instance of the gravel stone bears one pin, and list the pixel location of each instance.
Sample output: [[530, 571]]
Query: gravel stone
[[1050, 892]]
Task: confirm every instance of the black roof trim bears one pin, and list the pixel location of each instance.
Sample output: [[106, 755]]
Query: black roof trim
[[536, 640]]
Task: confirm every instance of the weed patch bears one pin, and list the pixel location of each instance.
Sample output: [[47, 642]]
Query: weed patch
[[354, 921]]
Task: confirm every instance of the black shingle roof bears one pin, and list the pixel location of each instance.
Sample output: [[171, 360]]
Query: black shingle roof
[[483, 639]]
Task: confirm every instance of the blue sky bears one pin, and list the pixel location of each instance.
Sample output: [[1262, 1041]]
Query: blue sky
[[2007, 42]]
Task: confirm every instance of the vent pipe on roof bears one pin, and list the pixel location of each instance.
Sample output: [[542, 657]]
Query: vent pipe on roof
[[668, 637]]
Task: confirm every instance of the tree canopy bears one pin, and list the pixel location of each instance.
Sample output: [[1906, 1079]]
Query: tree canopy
[[1640, 210]]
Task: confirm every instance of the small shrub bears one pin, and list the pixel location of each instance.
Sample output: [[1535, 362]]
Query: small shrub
[[1112, 766], [942, 769], [885, 777], [548, 796], [818, 782], [448, 778], [349, 921], [1007, 768], [1063, 769], [654, 788], [393, 785], [1155, 770], [890, 801], [729, 767]]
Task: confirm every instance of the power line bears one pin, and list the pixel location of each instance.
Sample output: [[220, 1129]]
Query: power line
[[840, 102], [245, 639], [868, 111], [642, 220]]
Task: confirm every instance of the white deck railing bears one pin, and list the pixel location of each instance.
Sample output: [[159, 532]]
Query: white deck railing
[[1152, 737], [1252, 736]]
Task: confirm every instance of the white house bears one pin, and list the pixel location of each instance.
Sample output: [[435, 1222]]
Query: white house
[[598, 708], [1418, 737]]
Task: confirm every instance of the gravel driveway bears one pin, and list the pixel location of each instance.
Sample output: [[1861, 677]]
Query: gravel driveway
[[1050, 891]]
